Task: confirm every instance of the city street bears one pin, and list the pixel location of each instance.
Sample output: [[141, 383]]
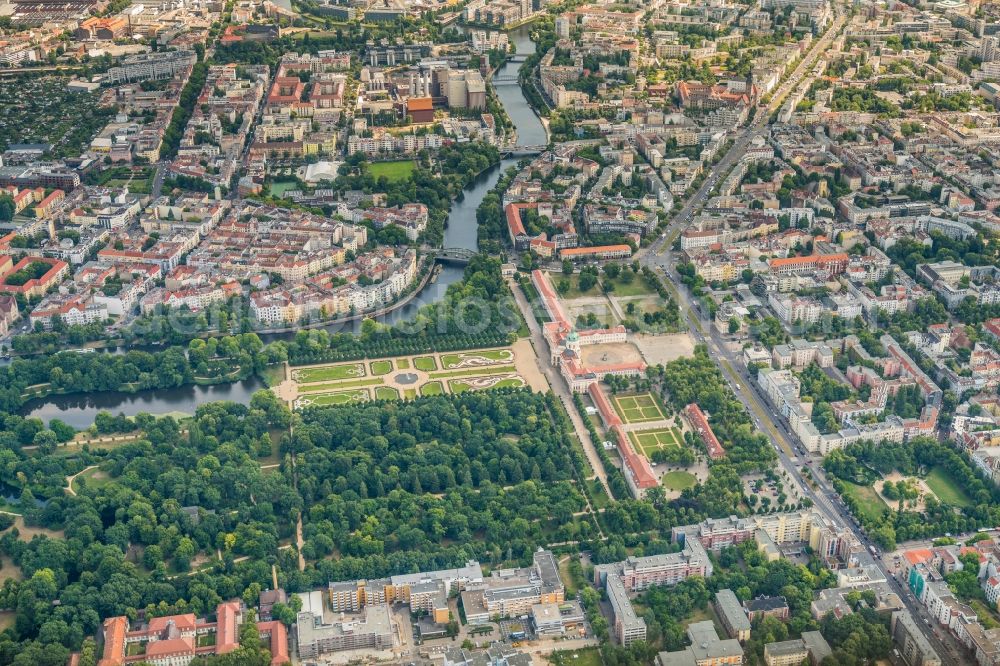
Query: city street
[[659, 256]]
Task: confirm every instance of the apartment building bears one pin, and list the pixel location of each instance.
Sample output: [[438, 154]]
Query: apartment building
[[706, 649], [320, 632], [811, 646], [151, 66], [732, 615], [505, 593], [910, 641], [638, 573]]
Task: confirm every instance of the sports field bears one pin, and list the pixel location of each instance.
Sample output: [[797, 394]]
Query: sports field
[[329, 373], [638, 408], [647, 441], [394, 171]]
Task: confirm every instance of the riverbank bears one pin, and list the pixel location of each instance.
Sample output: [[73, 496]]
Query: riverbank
[[461, 231]]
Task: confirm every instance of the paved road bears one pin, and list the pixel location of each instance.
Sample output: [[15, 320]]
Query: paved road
[[161, 173], [791, 456]]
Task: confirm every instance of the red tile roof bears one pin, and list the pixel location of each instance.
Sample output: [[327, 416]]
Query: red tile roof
[[114, 641], [700, 423]]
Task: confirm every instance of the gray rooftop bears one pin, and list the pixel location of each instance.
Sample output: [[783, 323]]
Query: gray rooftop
[[731, 611]]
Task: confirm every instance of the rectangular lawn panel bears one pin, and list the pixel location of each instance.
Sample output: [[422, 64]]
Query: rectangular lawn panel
[[425, 363], [475, 372], [432, 388], [386, 393], [946, 489], [648, 441], [383, 367], [338, 398], [638, 408], [328, 372], [330, 386]]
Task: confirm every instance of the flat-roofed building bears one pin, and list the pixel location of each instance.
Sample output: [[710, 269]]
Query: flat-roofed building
[[628, 626], [811, 646], [319, 634], [706, 649], [731, 614], [913, 646]]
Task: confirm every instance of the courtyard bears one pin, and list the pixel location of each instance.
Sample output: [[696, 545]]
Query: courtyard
[[642, 408]]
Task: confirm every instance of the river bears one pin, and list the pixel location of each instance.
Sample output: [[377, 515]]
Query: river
[[79, 410]]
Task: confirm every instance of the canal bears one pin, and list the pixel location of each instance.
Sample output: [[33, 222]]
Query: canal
[[79, 410]]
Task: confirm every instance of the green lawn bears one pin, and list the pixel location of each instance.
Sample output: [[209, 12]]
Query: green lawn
[[432, 388], [641, 408], [636, 288], [460, 386], [386, 393], [402, 364], [870, 505], [574, 286], [272, 374], [449, 361], [383, 367], [585, 657], [647, 441], [339, 398], [425, 363], [678, 480], [946, 489], [328, 372], [324, 388], [135, 649], [476, 372], [394, 171], [94, 478], [598, 497], [987, 616], [279, 187], [410, 394]]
